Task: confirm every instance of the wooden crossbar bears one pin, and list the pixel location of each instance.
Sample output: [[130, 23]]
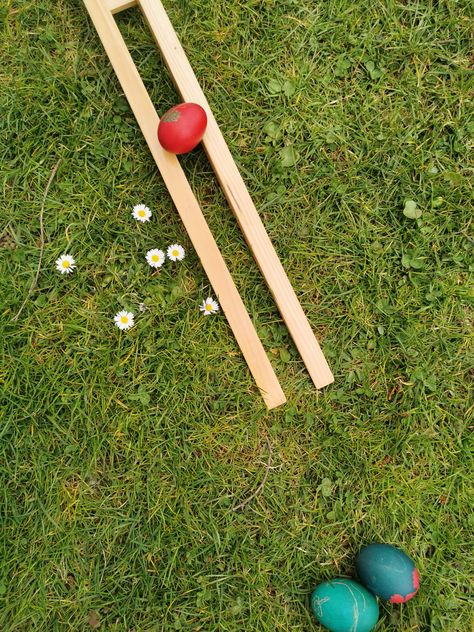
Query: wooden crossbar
[[115, 6]]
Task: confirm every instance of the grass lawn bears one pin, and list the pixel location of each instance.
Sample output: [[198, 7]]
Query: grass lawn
[[124, 454]]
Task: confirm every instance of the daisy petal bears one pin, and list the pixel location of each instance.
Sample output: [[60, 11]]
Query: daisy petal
[[124, 320], [209, 306], [65, 264], [175, 252], [141, 213], [155, 258]]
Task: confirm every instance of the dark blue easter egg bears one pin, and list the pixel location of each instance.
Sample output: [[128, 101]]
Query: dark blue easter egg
[[343, 605], [388, 572]]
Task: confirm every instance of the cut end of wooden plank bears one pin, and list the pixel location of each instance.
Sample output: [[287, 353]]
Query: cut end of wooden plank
[[115, 6], [323, 378], [274, 400], [315, 362]]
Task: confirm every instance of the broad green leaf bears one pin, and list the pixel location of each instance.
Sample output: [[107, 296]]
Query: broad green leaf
[[454, 178], [274, 86], [289, 156], [417, 263], [411, 210], [326, 487], [331, 137], [273, 130], [289, 88], [406, 261], [384, 306], [342, 67], [430, 382], [417, 374]]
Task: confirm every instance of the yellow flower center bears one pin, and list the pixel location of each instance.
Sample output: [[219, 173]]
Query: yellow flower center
[[175, 253], [124, 319], [155, 258], [141, 213], [208, 307], [66, 264]]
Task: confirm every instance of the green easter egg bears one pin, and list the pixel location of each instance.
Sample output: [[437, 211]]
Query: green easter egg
[[343, 605], [388, 572]]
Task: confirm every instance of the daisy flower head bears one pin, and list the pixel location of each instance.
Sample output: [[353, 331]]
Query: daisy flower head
[[124, 320], [209, 306], [65, 264], [175, 252], [141, 212], [155, 258]]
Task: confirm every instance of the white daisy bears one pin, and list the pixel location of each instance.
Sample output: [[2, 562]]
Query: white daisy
[[175, 252], [209, 306], [124, 320], [65, 264], [141, 212], [155, 258]]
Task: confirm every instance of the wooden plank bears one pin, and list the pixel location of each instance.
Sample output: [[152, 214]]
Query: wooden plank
[[187, 205], [115, 6], [238, 196]]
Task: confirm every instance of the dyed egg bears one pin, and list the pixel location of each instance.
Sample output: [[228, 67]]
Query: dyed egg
[[182, 127], [343, 605], [388, 572]]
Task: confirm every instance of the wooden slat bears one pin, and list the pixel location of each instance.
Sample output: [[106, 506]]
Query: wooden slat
[[238, 196], [115, 6], [187, 205]]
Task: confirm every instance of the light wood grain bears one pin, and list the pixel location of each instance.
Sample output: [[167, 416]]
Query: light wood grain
[[187, 205], [238, 196], [115, 6]]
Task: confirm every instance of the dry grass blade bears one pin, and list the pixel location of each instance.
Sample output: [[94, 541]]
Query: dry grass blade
[[40, 260], [262, 484]]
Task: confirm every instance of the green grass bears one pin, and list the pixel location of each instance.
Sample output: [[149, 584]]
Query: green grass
[[122, 455]]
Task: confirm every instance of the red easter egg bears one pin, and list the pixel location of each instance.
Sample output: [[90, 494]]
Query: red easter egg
[[182, 127]]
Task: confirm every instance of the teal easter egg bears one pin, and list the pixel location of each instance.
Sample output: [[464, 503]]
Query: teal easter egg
[[343, 605], [388, 572]]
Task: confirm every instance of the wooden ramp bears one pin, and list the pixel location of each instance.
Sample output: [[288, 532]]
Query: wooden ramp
[[101, 13]]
